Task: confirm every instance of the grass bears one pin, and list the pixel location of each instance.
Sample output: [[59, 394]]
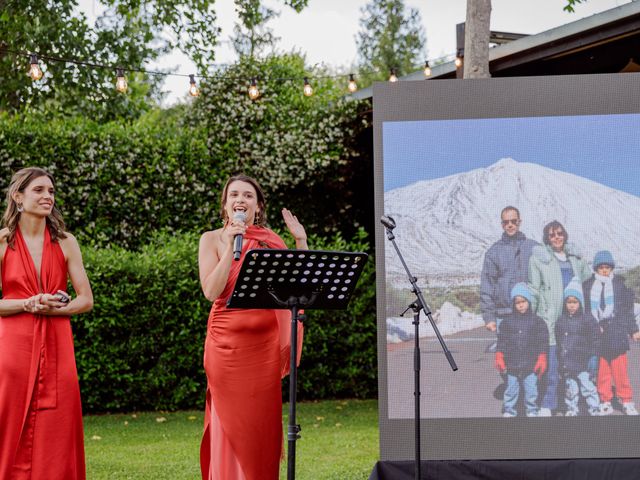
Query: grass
[[339, 441]]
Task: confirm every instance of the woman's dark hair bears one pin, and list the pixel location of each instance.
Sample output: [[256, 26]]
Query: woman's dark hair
[[261, 214], [554, 225]]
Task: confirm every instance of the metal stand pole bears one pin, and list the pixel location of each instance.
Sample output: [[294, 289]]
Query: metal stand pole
[[416, 393], [294, 429], [419, 304]]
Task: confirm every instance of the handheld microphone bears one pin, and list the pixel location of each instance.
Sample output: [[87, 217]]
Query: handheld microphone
[[237, 240], [388, 222]]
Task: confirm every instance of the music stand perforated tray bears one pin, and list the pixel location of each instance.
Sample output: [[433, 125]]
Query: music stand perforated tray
[[269, 277]]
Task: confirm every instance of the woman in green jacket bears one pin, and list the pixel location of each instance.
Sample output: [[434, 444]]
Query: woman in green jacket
[[551, 267]]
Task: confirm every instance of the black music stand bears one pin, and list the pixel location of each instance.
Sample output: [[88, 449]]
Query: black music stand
[[296, 279]]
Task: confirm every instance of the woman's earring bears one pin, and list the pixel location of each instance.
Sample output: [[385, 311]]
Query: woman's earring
[[20, 208]]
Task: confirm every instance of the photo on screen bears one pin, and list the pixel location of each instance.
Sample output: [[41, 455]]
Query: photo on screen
[[517, 209], [448, 215]]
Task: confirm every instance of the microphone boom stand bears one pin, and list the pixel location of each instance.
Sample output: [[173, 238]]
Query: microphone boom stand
[[416, 306]]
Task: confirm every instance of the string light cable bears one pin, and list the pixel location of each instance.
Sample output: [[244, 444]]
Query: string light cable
[[121, 85]]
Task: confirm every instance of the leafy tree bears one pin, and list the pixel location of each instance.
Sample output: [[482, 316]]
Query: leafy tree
[[251, 35], [389, 37], [299, 148], [129, 33], [570, 6]]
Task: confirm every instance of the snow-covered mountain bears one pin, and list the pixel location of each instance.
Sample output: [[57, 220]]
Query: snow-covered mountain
[[444, 226]]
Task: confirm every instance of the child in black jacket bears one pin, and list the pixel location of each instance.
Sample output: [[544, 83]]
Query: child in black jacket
[[523, 341], [576, 339]]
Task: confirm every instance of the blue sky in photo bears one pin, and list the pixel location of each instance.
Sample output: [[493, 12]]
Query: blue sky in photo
[[602, 148]]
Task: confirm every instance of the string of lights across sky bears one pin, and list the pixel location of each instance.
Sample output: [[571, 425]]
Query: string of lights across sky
[[36, 74]]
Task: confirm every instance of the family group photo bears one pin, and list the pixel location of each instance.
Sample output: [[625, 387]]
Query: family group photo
[[533, 271]]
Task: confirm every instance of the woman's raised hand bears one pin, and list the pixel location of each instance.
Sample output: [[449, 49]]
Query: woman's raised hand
[[296, 229]]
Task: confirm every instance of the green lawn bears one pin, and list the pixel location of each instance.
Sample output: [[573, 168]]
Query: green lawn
[[339, 441]]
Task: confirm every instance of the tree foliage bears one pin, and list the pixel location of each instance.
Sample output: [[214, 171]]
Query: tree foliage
[[570, 6], [389, 37], [299, 148], [251, 35], [119, 182], [128, 33]]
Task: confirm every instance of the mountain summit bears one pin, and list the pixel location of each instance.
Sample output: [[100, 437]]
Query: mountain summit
[[444, 226]]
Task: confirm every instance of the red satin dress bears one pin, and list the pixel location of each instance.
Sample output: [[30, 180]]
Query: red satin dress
[[41, 434], [246, 354]]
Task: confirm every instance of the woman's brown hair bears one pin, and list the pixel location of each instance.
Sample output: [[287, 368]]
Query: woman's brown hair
[[19, 182], [261, 214]]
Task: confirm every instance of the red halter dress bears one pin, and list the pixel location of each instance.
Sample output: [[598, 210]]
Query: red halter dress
[[246, 354], [40, 413]]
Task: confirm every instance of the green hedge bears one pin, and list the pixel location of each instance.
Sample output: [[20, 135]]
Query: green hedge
[[117, 183], [141, 347]]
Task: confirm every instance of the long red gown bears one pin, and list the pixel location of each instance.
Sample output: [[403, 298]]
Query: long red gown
[[246, 354], [41, 434]]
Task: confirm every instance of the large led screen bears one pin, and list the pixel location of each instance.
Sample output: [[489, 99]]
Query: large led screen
[[511, 197]]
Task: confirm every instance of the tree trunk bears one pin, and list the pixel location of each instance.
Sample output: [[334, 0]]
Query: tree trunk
[[476, 42]]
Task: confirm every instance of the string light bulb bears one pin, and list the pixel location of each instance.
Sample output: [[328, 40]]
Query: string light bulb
[[121, 82], [253, 89], [193, 89], [34, 69], [353, 86], [393, 77], [458, 61], [307, 90], [427, 69]]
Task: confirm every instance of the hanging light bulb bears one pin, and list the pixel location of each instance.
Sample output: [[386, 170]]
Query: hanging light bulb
[[193, 89], [121, 82], [427, 69], [458, 61], [253, 89], [307, 90], [353, 86], [393, 77], [34, 70]]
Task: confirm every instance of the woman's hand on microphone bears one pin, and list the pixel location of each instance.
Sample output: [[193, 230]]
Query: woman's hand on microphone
[[296, 229], [231, 229]]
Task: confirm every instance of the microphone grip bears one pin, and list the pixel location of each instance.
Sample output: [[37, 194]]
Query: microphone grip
[[237, 247]]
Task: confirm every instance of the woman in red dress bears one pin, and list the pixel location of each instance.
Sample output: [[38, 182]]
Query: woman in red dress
[[246, 351], [40, 413]]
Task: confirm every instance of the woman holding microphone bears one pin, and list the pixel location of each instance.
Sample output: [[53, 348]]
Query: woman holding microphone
[[246, 350]]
